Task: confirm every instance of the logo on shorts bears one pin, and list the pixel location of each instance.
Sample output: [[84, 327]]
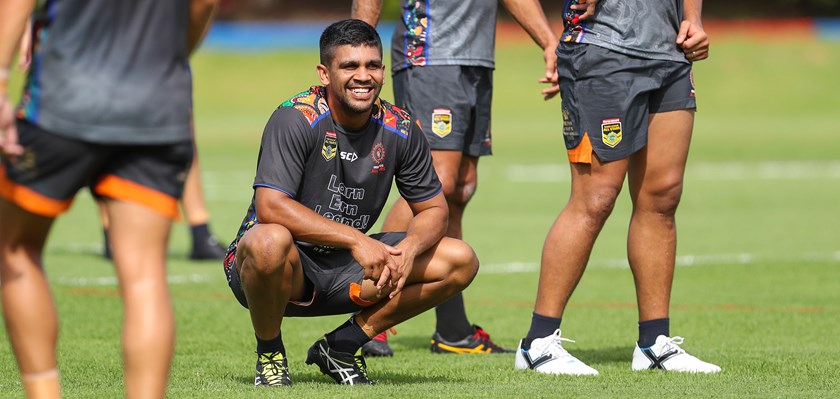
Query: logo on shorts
[[330, 146], [568, 127], [611, 131], [377, 155], [442, 121]]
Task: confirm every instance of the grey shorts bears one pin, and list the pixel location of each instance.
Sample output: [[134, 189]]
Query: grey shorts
[[451, 102], [53, 168], [333, 279], [608, 96]]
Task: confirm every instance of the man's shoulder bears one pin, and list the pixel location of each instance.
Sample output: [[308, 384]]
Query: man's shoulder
[[312, 104], [392, 118]]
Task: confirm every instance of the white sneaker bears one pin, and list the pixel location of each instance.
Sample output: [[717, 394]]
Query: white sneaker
[[547, 356], [666, 354]]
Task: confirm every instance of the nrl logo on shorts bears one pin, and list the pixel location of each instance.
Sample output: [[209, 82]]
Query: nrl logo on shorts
[[611, 131], [330, 146], [441, 121]]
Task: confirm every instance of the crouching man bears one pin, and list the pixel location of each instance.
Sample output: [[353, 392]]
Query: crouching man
[[325, 167]]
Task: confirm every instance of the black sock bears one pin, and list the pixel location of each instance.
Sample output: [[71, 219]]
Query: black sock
[[541, 326], [650, 329], [348, 337], [271, 345], [106, 244], [200, 233], [452, 323]]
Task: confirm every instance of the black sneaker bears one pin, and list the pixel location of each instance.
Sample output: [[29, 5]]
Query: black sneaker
[[209, 249], [344, 368], [378, 346], [477, 343], [272, 370]]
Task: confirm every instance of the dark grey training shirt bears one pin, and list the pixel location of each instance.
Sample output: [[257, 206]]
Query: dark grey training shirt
[[341, 174], [445, 32], [641, 28], [111, 71]]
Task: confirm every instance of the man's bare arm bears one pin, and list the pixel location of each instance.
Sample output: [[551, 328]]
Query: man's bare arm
[[366, 10], [201, 17]]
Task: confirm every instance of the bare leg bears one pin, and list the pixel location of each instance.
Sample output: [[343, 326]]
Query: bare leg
[[194, 207], [569, 242], [439, 273], [656, 181], [28, 308], [139, 241]]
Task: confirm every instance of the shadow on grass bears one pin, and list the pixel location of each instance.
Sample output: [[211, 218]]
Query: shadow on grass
[[382, 377], [617, 354]]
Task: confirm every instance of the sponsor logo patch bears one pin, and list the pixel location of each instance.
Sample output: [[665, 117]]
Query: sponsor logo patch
[[442, 121], [330, 146], [377, 155], [611, 131]]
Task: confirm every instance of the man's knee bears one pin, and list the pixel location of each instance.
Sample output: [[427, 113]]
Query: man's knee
[[463, 263], [459, 192], [663, 199], [598, 203], [264, 249]]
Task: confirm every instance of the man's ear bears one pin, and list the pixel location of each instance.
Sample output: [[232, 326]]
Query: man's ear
[[323, 74]]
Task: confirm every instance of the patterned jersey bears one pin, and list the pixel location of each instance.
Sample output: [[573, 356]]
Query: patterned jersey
[[641, 28], [342, 174], [111, 71], [445, 32]]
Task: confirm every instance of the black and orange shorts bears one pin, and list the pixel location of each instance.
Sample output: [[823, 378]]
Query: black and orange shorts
[[53, 168], [607, 98], [332, 275]]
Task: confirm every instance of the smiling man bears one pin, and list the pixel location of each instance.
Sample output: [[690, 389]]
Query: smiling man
[[326, 163]]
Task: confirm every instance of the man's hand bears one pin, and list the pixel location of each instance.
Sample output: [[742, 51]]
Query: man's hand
[[693, 40], [377, 259], [550, 77], [9, 145], [405, 264], [588, 6]]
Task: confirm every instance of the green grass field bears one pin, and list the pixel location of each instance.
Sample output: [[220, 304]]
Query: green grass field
[[757, 289]]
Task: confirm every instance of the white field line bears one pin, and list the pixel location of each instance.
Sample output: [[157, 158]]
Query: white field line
[[519, 267], [112, 281], [714, 171], [682, 261]]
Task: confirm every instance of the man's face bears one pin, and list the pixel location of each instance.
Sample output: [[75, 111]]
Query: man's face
[[354, 77]]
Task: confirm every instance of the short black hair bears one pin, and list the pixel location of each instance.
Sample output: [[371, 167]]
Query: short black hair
[[351, 32]]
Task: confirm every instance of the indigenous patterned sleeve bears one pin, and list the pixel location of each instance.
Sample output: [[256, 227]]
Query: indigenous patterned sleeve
[[286, 144], [416, 178]]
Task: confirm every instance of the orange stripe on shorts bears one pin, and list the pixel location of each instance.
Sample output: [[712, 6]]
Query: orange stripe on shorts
[[583, 152], [30, 200], [355, 296], [126, 190]]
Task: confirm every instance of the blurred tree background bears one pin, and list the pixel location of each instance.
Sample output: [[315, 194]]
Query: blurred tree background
[[334, 9]]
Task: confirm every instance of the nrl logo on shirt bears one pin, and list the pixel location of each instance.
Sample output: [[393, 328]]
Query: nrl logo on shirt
[[330, 146], [442, 121]]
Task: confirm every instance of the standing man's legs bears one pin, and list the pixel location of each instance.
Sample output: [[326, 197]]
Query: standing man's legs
[[458, 176], [204, 245], [28, 308], [569, 243], [139, 239], [655, 180]]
